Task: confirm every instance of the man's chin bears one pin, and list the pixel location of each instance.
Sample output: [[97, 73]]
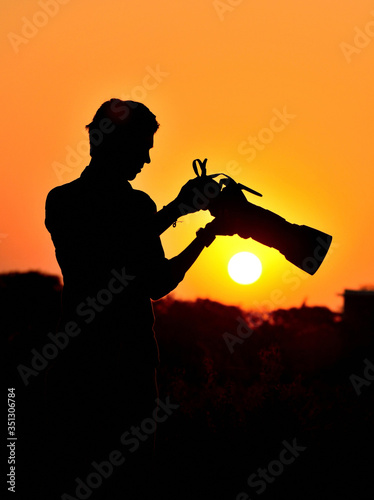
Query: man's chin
[[131, 175]]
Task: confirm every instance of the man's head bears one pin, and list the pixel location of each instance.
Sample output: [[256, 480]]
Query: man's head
[[121, 135]]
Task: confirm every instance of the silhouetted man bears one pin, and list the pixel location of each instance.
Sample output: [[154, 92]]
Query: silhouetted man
[[106, 236]]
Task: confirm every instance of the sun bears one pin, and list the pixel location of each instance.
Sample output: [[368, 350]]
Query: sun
[[245, 268]]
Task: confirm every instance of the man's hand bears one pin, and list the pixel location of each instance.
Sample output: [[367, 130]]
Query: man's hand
[[197, 194], [225, 223]]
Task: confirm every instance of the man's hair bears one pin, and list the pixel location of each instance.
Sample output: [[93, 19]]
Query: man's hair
[[118, 120]]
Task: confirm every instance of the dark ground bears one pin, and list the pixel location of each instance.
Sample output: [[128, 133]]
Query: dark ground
[[289, 380]]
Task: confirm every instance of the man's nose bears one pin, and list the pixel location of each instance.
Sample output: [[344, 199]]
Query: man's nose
[[147, 158]]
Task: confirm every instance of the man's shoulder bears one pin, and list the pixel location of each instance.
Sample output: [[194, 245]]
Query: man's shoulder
[[64, 191], [144, 199]]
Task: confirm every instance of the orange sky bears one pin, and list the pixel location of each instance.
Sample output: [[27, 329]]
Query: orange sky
[[214, 73]]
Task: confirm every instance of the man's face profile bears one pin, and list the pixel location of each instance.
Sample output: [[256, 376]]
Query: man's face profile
[[131, 155]]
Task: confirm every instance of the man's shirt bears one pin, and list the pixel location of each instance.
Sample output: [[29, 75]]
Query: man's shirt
[[112, 263]]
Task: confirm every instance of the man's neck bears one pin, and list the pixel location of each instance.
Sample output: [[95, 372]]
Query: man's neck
[[102, 171]]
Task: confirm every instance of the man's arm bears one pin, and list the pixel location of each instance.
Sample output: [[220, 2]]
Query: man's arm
[[168, 278], [189, 200], [182, 262], [165, 217]]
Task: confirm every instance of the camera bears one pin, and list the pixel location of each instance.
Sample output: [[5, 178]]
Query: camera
[[303, 246]]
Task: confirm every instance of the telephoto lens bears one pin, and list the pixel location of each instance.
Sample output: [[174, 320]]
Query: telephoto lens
[[303, 246]]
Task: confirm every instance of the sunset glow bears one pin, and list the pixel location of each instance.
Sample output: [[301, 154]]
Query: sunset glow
[[278, 95]]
